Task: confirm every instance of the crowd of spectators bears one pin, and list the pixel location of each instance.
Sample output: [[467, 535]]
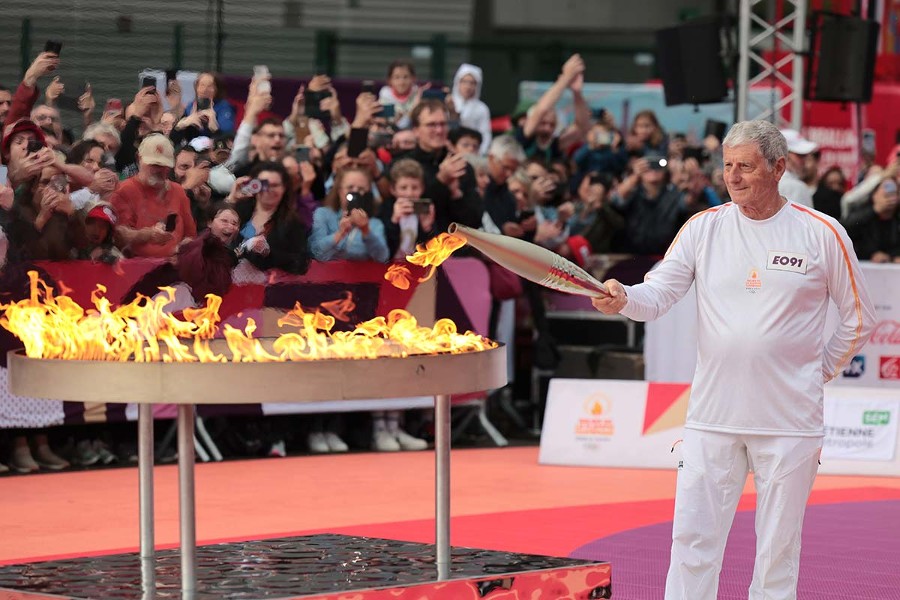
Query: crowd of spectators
[[224, 189]]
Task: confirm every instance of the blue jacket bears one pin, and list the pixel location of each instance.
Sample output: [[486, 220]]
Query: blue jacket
[[355, 246]]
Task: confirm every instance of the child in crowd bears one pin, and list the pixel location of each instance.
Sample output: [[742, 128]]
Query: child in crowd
[[401, 91], [465, 141], [408, 219], [99, 222]]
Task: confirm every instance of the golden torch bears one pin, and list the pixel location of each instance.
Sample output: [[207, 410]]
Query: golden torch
[[532, 262]]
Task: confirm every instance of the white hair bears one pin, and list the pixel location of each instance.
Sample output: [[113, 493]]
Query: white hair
[[765, 135], [506, 146], [95, 129]]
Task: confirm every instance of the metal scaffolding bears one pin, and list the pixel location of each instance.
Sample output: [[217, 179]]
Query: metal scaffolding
[[756, 36]]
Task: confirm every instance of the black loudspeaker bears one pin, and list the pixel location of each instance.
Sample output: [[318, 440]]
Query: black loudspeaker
[[689, 58], [841, 64]]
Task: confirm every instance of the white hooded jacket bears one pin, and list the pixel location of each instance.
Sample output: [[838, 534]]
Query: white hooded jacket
[[473, 113]]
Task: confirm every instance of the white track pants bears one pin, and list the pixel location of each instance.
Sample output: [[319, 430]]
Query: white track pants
[[710, 483]]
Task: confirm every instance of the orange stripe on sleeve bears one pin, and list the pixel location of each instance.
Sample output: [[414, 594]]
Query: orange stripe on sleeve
[[852, 350], [686, 223]]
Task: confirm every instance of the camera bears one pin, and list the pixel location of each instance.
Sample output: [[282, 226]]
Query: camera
[[148, 82], [387, 111], [255, 186], [365, 201], [422, 206], [203, 104], [171, 221], [311, 102], [700, 154], [261, 72], [302, 153]]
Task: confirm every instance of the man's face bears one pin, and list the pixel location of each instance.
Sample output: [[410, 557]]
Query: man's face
[[748, 177], [5, 103], [269, 141], [467, 145], [810, 166], [546, 126], [431, 133], [154, 175], [183, 162], [18, 148], [404, 141], [45, 116], [501, 168]]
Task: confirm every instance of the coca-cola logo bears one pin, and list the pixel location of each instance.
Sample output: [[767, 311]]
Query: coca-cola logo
[[890, 367], [886, 332]]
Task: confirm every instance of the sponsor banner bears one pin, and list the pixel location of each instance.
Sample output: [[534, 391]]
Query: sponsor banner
[[637, 424], [860, 426], [613, 423]]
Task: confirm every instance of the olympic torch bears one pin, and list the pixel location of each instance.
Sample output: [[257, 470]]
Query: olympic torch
[[531, 262]]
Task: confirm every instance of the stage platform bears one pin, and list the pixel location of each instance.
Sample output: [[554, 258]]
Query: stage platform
[[315, 567]]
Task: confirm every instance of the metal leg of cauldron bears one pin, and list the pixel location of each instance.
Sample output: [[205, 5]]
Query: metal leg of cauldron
[[186, 498], [145, 499], [442, 483]]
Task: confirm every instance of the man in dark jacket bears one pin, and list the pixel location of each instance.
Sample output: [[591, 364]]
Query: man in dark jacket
[[449, 179]]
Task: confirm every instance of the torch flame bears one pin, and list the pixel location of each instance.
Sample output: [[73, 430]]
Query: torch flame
[[434, 252], [55, 327]]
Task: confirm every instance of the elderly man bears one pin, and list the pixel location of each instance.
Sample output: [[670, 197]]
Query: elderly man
[[505, 155], [154, 213], [764, 269]]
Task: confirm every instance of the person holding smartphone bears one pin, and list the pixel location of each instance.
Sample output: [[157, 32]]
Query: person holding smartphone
[[343, 229], [27, 93], [210, 96], [144, 202], [408, 219]]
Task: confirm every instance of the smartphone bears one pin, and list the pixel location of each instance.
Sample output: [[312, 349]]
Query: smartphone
[[364, 201], [302, 153], [525, 214], [53, 46], [171, 75], [204, 104], [34, 146], [387, 111], [171, 221], [434, 94], [657, 163], [357, 142], [113, 105], [422, 206], [261, 72], [368, 87], [148, 82]]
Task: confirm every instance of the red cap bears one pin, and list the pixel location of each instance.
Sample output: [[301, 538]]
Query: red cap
[[20, 126], [104, 212]]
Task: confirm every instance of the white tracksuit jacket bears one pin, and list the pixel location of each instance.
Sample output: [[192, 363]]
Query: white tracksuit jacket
[[763, 288]]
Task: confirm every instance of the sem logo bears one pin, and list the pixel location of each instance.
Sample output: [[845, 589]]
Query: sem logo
[[876, 417], [890, 367], [856, 367]]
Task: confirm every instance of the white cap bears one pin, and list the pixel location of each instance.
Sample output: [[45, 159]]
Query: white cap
[[798, 144], [221, 179]]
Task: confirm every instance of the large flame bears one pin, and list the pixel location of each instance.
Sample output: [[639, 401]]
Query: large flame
[[435, 251], [55, 327]]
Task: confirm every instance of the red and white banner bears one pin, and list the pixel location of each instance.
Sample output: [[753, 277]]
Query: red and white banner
[[637, 424]]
